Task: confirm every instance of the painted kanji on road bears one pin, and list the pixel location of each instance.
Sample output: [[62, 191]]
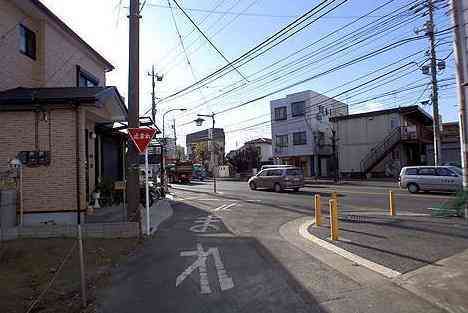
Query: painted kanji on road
[[225, 282]]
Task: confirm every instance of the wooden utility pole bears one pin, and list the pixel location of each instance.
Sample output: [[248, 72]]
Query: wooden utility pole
[[461, 61], [133, 183], [435, 96]]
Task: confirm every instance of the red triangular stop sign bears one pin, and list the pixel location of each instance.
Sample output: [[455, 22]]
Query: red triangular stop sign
[[141, 137]]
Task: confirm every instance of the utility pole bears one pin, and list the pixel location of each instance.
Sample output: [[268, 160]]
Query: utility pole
[[133, 183], [154, 77], [199, 122], [461, 61], [213, 154], [174, 130], [335, 157], [435, 96]]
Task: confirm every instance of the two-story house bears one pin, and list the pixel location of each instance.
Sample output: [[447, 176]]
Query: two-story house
[[56, 113], [380, 143], [301, 130]]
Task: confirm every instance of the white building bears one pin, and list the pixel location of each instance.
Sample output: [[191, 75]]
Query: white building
[[301, 131], [264, 149]]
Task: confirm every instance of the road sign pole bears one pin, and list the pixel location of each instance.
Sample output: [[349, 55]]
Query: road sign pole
[[147, 194]]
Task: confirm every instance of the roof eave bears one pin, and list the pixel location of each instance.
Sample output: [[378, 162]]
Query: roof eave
[[108, 66]]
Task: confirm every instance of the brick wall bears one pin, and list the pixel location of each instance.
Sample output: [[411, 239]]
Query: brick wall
[[46, 188], [17, 69]]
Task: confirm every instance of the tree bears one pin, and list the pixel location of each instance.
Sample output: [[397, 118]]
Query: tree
[[180, 153], [201, 152]]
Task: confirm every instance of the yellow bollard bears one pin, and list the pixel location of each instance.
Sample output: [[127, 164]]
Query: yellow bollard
[[335, 197], [333, 220], [318, 211], [391, 198]]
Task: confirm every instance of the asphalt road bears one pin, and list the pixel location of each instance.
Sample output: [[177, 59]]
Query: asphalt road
[[351, 197], [224, 253]]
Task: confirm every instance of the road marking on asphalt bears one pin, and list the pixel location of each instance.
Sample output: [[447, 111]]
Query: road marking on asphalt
[[385, 271], [224, 207], [225, 281], [414, 196], [203, 224]]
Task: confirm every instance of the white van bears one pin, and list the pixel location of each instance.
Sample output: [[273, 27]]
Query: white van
[[431, 178]]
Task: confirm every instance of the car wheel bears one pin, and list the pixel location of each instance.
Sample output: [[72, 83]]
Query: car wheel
[[413, 188], [295, 189], [277, 188], [253, 186]]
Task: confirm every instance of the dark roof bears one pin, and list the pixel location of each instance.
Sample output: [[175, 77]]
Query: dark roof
[[28, 97], [203, 135], [67, 29], [413, 109], [258, 141]]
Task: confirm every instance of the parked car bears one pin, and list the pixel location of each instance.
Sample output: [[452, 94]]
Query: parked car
[[278, 179], [431, 178]]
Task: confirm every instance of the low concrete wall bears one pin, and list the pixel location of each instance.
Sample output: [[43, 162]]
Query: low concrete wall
[[102, 230]]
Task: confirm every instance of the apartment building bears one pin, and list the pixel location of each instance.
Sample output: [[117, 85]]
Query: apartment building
[[301, 131], [56, 112], [379, 143]]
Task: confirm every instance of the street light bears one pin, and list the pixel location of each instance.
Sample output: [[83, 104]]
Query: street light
[[199, 122], [163, 169]]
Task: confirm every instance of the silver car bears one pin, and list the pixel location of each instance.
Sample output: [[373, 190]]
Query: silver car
[[431, 178], [278, 179]]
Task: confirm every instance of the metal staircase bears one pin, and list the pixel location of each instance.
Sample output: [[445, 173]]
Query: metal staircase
[[381, 150]]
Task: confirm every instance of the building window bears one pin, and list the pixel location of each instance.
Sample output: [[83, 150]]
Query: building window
[[298, 108], [282, 141], [280, 113], [299, 138], [27, 42], [85, 79]]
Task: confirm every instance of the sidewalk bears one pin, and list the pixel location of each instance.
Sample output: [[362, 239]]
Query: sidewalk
[[429, 255], [159, 212]]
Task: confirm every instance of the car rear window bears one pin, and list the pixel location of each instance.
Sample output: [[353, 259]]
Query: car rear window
[[294, 172], [411, 171]]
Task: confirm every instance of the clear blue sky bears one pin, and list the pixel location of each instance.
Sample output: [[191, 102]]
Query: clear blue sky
[[106, 28]]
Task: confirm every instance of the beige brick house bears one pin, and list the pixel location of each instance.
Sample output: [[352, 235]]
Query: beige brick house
[[56, 112]]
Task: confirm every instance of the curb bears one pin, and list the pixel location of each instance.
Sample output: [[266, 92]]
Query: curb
[[385, 271], [159, 212]]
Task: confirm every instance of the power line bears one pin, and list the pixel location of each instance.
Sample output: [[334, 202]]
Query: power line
[[212, 35], [167, 68], [210, 42], [256, 48], [201, 22], [337, 43], [255, 14]]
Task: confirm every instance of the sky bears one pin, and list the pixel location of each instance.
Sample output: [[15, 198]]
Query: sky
[[235, 26]]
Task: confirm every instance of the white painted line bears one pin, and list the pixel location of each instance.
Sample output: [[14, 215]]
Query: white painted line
[[218, 208], [224, 207], [203, 224], [253, 200], [385, 271], [386, 213], [225, 281]]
